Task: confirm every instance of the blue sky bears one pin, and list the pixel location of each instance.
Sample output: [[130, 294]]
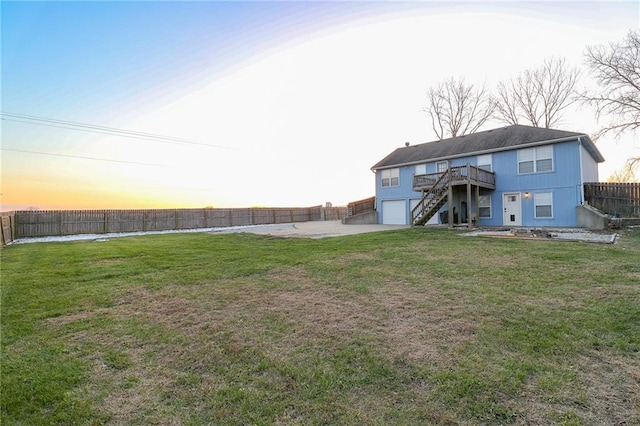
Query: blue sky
[[67, 58], [306, 96]]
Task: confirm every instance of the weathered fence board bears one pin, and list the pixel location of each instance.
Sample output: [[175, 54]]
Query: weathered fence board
[[333, 213], [38, 223], [361, 206], [7, 228], [619, 199], [124, 220], [81, 222], [44, 223]]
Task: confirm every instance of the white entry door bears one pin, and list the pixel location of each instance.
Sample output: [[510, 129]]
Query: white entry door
[[512, 210]]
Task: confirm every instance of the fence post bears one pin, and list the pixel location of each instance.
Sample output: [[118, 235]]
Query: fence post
[[14, 227]]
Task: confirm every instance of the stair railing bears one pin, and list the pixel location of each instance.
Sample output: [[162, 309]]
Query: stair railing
[[431, 197]]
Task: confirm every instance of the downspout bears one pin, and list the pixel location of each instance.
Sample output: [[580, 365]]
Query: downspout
[[581, 171], [469, 195], [377, 199], [449, 196]]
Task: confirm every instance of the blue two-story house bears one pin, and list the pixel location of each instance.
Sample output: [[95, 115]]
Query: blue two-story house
[[511, 176]]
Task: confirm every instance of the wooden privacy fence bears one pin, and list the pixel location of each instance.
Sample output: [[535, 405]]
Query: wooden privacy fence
[[7, 228], [618, 199], [45, 223], [361, 206]]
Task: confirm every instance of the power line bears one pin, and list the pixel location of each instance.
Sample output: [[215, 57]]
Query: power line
[[84, 158], [112, 131], [103, 133]]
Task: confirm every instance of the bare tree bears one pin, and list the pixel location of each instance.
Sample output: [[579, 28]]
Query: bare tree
[[616, 69], [538, 96], [627, 173], [457, 108]]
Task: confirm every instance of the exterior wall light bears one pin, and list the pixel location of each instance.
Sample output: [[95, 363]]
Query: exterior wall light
[[527, 195]]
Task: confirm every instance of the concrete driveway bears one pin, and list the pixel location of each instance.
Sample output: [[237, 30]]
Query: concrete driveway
[[335, 228], [315, 229]]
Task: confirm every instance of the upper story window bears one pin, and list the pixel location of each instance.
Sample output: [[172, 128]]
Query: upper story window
[[484, 162], [421, 169], [535, 160], [442, 166], [390, 177]]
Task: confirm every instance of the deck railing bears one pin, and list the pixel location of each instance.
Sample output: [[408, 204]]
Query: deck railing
[[459, 174], [421, 182]]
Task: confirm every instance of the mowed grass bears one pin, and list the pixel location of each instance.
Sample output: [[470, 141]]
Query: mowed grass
[[415, 326]]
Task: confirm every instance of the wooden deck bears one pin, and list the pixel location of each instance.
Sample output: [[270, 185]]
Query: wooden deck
[[437, 190], [460, 175]]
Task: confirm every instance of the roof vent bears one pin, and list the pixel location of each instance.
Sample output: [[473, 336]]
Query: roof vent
[[406, 144]]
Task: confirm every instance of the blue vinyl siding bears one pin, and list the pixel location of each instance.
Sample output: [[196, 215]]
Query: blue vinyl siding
[[564, 182], [404, 191]]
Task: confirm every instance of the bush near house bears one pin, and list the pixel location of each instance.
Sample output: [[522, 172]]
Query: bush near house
[[414, 326]]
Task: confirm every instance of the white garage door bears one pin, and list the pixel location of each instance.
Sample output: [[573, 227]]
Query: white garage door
[[393, 213]]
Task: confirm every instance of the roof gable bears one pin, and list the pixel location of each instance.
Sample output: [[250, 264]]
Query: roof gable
[[500, 139]]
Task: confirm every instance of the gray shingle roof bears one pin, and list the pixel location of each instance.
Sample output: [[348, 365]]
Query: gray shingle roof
[[501, 139]]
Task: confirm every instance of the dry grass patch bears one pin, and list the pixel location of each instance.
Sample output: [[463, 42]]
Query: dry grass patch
[[420, 324], [411, 327]]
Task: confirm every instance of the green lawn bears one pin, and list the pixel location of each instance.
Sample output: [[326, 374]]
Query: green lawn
[[415, 326]]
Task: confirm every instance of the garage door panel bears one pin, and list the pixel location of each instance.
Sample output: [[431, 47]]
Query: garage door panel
[[394, 212]]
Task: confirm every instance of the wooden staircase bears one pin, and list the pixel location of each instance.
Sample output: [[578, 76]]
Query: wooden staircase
[[432, 199]]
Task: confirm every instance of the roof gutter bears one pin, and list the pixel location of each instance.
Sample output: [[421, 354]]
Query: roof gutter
[[596, 152], [488, 151]]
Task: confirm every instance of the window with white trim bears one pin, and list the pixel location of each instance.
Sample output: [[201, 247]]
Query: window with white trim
[[390, 177], [543, 205], [484, 162], [442, 166], [421, 169], [484, 205], [535, 160]]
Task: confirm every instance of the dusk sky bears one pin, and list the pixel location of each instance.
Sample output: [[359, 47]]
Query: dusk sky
[[266, 103]]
